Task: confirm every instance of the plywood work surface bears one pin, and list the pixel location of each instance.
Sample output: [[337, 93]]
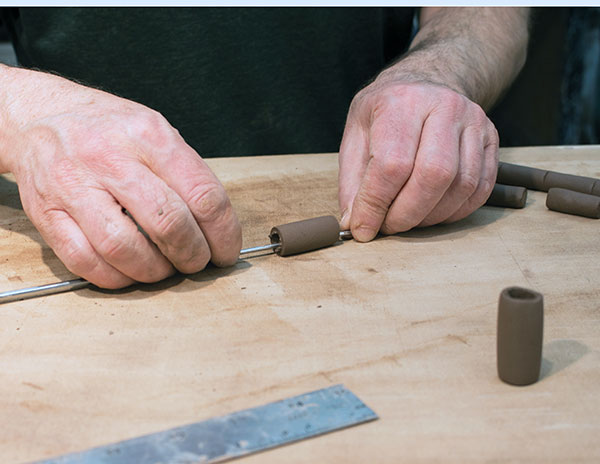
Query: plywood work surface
[[407, 322]]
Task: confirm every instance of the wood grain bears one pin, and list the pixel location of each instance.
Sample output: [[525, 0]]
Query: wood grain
[[407, 322]]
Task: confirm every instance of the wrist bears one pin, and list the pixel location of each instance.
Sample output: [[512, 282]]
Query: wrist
[[25, 96], [422, 67]]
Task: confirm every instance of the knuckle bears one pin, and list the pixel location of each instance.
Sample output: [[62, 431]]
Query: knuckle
[[209, 201], [356, 102], [477, 113], [175, 232], [152, 126], [385, 102], [195, 263], [479, 124], [395, 167], [115, 246], [359, 110], [173, 220], [453, 101], [380, 98], [388, 101], [76, 258], [438, 173], [481, 117], [494, 137], [468, 184], [153, 120]]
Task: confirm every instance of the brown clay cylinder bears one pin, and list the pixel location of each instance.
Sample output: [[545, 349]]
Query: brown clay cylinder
[[541, 179], [306, 235], [520, 335], [581, 184], [523, 176], [507, 196], [567, 201]]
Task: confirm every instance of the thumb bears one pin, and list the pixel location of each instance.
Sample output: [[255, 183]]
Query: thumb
[[353, 159], [389, 165]]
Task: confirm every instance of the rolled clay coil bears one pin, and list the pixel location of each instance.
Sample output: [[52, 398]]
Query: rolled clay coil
[[541, 179], [306, 235], [508, 196], [581, 184], [520, 335], [523, 176], [567, 201]]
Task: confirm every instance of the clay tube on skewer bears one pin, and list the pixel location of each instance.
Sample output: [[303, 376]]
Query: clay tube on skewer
[[307, 235], [286, 239]]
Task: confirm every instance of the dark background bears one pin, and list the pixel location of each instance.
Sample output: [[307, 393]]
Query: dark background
[[555, 99]]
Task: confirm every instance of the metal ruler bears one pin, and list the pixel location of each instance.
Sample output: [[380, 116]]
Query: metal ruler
[[227, 437]]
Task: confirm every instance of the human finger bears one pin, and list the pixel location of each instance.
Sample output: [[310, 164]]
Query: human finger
[[488, 176], [115, 237], [353, 159], [64, 236], [435, 167], [162, 214], [393, 142], [192, 179], [470, 170]]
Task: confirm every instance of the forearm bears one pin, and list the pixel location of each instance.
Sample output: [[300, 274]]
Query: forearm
[[6, 121], [475, 51], [24, 95], [27, 95]]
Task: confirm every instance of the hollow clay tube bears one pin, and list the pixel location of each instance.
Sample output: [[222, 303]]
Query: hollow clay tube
[[520, 335], [567, 201], [306, 235], [523, 176], [508, 196]]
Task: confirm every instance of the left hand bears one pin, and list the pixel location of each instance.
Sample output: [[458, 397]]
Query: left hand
[[413, 154]]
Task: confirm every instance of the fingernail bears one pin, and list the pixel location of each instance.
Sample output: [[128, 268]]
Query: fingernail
[[345, 221], [363, 233]]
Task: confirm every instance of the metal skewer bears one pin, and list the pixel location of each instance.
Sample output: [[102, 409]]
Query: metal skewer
[[42, 290], [75, 284]]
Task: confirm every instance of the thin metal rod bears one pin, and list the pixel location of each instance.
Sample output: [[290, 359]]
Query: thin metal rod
[[42, 290], [345, 235], [270, 246], [75, 284]]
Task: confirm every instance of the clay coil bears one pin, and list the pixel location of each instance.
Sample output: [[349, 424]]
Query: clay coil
[[567, 201], [523, 176], [543, 180], [581, 184], [507, 196]]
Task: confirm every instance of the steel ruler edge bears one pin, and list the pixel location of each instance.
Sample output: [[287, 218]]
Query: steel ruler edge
[[237, 434]]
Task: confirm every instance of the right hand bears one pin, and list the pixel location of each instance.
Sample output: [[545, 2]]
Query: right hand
[[82, 156]]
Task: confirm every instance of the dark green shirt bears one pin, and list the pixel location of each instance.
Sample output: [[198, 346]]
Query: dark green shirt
[[233, 81]]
